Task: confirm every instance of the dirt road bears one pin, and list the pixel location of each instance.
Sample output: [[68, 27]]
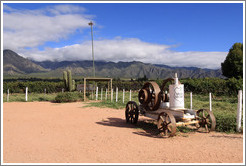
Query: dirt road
[[44, 132]]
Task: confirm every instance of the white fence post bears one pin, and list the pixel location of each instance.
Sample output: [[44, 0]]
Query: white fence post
[[112, 91], [116, 97], [123, 95], [62, 90], [101, 93], [106, 94], [191, 100], [7, 95], [96, 93], [239, 110], [130, 95], [44, 90], [26, 93], [210, 101]]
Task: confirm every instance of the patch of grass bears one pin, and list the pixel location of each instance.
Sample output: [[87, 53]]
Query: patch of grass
[[18, 97], [184, 129], [224, 109], [106, 104], [68, 97]]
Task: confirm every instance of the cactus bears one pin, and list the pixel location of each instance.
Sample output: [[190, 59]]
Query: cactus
[[69, 77], [68, 82], [74, 87], [65, 79]]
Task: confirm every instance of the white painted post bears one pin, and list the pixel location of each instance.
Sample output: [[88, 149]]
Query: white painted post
[[239, 110], [62, 90], [123, 95], [44, 90], [112, 91], [101, 93], [210, 101], [106, 94], [96, 93], [26, 93], [116, 97], [7, 95], [191, 100], [130, 95]]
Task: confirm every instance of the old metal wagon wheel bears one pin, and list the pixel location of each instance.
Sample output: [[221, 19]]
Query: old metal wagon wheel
[[132, 112], [144, 96], [206, 120], [166, 124], [149, 96], [164, 88]]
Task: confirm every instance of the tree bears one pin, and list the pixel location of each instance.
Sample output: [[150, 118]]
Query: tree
[[233, 64], [143, 78]]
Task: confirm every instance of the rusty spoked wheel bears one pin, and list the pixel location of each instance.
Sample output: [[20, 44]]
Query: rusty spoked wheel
[[206, 120], [149, 96], [144, 96], [132, 112], [166, 124], [164, 88]]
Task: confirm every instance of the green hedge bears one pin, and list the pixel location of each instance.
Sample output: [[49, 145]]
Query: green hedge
[[225, 122], [36, 86], [216, 86]]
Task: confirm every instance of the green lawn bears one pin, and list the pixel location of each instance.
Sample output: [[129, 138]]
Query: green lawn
[[31, 97]]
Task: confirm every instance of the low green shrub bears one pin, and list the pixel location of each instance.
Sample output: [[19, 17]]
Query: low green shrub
[[68, 97], [225, 122]]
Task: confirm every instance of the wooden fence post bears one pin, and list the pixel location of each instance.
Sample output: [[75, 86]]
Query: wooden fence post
[[112, 91], [96, 93], [106, 94], [26, 93], [101, 93], [116, 97], [210, 101], [191, 100], [62, 90], [130, 95], [8, 95], [123, 95], [239, 110]]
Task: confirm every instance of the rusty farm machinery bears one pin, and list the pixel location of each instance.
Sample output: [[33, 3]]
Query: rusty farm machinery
[[168, 109]]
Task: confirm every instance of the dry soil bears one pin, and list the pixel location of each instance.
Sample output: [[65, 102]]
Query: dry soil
[[44, 132]]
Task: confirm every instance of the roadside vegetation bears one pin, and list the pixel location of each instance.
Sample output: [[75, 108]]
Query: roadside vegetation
[[223, 107]]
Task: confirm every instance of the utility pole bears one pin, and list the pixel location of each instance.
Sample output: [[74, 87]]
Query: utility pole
[[91, 24]]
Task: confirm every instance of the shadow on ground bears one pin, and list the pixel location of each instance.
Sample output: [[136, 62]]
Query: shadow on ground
[[144, 128]]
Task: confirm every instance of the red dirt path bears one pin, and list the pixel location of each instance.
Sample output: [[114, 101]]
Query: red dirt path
[[44, 132]]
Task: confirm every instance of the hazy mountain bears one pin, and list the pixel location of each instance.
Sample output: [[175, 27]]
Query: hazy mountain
[[15, 64]]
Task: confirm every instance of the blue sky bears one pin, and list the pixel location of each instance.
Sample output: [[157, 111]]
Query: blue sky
[[176, 34]]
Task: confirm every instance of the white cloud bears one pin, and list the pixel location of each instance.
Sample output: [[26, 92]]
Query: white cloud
[[129, 50], [32, 28], [64, 8]]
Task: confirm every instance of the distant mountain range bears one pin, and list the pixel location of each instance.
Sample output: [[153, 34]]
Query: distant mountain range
[[15, 65]]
